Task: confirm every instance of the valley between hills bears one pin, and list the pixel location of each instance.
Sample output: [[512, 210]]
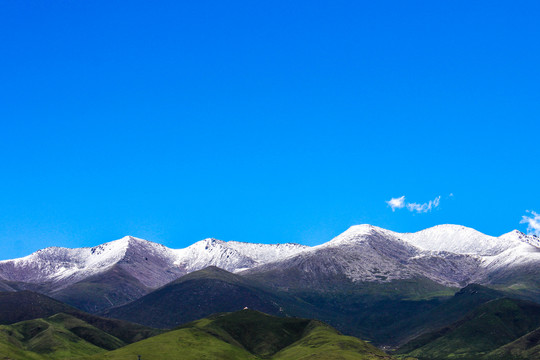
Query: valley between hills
[[447, 292]]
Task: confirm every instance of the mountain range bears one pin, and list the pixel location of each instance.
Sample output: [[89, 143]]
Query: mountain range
[[379, 285], [121, 271]]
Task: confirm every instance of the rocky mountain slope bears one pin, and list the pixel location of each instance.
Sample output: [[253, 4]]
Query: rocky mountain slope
[[449, 255]]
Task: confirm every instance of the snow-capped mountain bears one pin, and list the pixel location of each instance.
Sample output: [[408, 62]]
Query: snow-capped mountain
[[123, 270], [232, 255], [458, 239], [150, 263], [450, 255]]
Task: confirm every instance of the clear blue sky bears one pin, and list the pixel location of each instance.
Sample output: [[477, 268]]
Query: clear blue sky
[[265, 122]]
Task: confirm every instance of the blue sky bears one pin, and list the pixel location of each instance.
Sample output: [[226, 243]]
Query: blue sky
[[264, 122]]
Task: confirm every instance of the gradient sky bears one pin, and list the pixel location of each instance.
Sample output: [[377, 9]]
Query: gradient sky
[[267, 122]]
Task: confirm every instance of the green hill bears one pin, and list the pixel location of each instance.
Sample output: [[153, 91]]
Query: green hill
[[488, 327], [249, 334], [526, 347], [202, 293], [446, 313], [27, 305], [366, 310], [57, 337]]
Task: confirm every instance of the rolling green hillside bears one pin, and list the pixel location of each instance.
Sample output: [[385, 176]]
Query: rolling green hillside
[[249, 334], [488, 327], [57, 337], [27, 305]]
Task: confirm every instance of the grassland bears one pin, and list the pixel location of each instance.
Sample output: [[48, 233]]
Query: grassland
[[60, 336]]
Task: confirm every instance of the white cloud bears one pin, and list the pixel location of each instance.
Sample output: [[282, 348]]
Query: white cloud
[[533, 223], [425, 207], [396, 203]]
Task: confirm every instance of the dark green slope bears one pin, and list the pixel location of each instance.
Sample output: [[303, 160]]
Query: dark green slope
[[446, 313], [484, 329], [27, 305], [369, 310], [526, 347], [365, 310], [249, 334], [200, 294]]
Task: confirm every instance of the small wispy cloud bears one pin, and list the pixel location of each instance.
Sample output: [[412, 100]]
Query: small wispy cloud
[[399, 203], [396, 203], [533, 222], [425, 207]]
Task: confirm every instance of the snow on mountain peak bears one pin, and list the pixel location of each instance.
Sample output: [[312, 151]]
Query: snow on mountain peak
[[360, 233], [57, 263], [449, 238], [458, 239], [353, 233], [516, 235], [232, 255]]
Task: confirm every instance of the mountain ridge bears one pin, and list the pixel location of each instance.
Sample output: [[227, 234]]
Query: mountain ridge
[[123, 270]]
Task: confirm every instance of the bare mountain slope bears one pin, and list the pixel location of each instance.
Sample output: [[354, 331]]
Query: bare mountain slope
[[450, 255]]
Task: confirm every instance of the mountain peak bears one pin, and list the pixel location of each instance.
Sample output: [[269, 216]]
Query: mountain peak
[[128, 239], [362, 229], [457, 239], [213, 241], [356, 233], [518, 236]]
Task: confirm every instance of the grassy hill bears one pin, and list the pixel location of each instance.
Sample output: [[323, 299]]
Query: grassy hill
[[246, 334], [57, 337], [488, 327], [27, 305], [249, 334]]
